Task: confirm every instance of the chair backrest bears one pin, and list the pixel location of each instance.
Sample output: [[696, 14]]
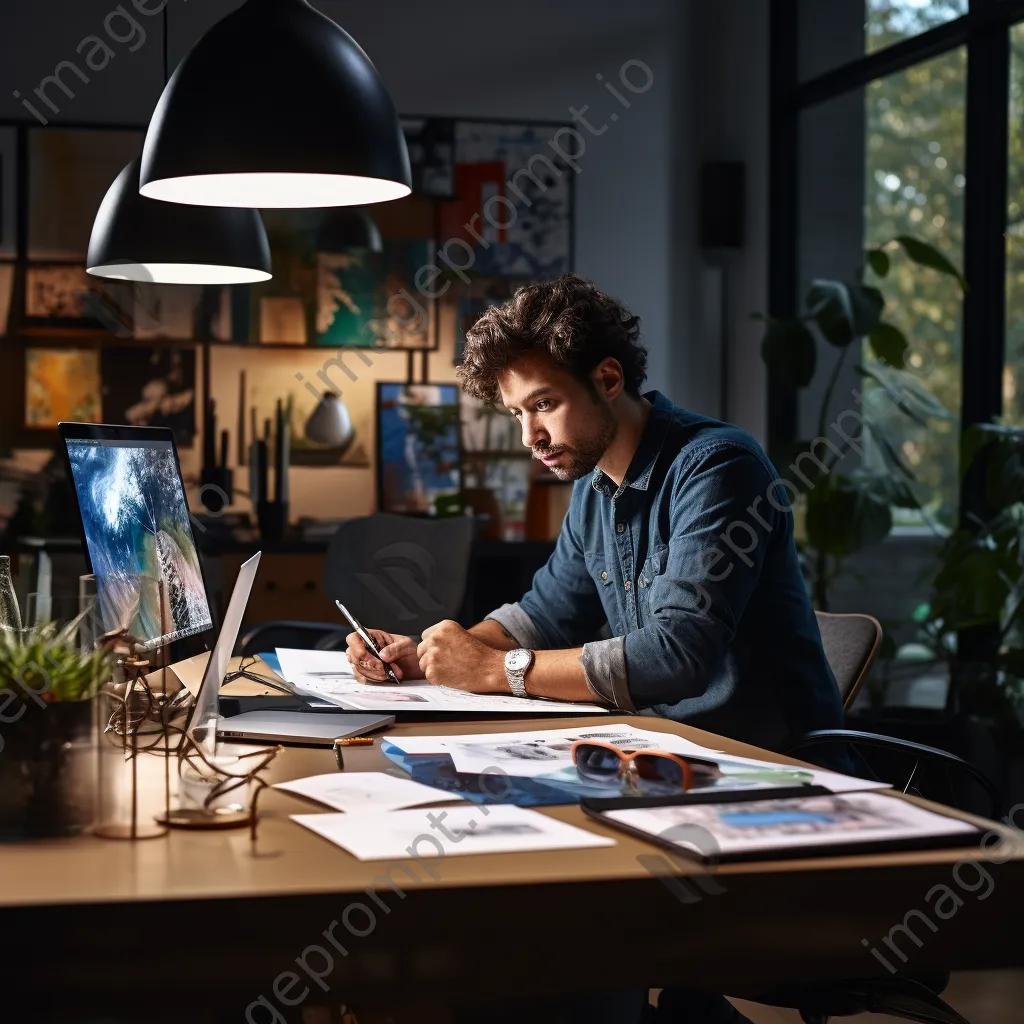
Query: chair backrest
[[851, 643], [400, 573]]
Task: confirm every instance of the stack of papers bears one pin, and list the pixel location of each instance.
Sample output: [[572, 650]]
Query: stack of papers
[[328, 676], [548, 752]]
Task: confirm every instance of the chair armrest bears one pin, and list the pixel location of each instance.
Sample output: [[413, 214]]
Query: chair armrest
[[921, 751]]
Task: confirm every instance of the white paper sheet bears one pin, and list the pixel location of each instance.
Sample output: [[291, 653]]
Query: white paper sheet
[[365, 791], [404, 836], [328, 676]]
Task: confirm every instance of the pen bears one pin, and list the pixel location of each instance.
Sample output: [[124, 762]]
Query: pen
[[349, 741], [368, 641]]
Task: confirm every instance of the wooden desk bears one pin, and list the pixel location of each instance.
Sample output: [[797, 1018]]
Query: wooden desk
[[204, 920]]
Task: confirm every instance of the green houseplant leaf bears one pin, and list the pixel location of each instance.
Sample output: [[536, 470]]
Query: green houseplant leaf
[[906, 392], [844, 311], [889, 344], [926, 255], [845, 514], [878, 261]]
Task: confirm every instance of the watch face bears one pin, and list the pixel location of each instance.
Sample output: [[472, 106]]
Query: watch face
[[517, 661]]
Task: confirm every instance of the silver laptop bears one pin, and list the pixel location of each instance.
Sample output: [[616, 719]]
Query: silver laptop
[[307, 727]]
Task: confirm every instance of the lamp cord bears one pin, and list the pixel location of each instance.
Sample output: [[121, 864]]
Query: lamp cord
[[165, 44]]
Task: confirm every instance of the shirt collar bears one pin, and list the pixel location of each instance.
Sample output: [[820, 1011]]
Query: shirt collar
[[652, 441]]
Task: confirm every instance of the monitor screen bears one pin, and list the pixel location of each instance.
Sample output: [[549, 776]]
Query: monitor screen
[[137, 531]]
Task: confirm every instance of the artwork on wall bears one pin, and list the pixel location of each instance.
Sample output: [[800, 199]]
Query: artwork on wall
[[488, 428], [282, 320], [417, 446], [165, 311], [369, 300], [516, 194], [151, 387], [431, 144], [55, 294], [61, 384]]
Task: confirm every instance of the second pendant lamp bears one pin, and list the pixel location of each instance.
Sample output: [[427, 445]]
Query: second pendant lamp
[[139, 239], [276, 106]]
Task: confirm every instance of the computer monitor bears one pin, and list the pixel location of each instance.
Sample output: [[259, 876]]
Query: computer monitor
[[137, 531]]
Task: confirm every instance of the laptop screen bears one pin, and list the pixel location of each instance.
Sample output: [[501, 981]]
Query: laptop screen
[[138, 534]]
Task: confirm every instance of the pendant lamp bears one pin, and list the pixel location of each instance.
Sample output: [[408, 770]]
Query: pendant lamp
[[276, 106], [139, 239]]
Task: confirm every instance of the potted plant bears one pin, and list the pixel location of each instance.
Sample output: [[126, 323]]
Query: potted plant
[[845, 510], [47, 686]]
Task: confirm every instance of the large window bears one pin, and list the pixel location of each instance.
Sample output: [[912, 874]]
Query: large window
[[915, 186], [892, 118]]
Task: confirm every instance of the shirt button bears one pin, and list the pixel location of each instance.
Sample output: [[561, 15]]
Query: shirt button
[[643, 582], [604, 575], [621, 528], [629, 585]]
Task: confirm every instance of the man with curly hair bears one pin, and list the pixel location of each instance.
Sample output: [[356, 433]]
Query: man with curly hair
[[678, 545], [679, 537]]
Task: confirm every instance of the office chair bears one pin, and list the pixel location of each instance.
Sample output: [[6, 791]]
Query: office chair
[[851, 644], [396, 573], [400, 573]]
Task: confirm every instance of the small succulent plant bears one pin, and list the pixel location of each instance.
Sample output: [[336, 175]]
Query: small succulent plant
[[44, 662]]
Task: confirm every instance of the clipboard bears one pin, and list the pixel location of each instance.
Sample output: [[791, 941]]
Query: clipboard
[[599, 809]]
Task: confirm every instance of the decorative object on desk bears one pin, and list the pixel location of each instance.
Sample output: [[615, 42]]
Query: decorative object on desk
[[61, 384], [536, 243], [55, 296], [417, 446], [262, 143], [151, 387], [370, 300], [138, 239], [46, 779]]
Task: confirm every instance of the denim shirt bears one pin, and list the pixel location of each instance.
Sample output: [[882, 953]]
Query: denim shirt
[[692, 566]]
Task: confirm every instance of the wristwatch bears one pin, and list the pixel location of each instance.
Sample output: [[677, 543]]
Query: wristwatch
[[517, 664]]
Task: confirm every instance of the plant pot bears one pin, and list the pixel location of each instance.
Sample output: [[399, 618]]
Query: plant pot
[[47, 770]]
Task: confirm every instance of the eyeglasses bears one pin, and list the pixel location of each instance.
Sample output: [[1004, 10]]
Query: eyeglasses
[[643, 770]]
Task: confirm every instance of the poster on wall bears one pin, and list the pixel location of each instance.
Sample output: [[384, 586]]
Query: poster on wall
[[61, 384], [514, 206], [369, 299], [417, 446], [151, 387]]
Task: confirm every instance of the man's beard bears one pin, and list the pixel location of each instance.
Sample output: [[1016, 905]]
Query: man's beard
[[583, 455]]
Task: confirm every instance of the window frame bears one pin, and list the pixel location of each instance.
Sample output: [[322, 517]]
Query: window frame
[[985, 32]]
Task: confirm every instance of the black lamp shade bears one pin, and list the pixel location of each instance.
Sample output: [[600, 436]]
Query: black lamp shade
[[276, 106], [349, 229], [139, 239]]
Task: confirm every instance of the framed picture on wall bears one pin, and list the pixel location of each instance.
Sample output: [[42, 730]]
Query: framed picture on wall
[[418, 459], [61, 384], [58, 295]]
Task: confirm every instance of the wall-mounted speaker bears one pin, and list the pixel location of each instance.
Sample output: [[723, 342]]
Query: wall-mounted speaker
[[722, 216]]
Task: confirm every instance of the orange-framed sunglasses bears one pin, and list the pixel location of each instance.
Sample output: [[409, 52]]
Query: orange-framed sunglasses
[[641, 769]]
